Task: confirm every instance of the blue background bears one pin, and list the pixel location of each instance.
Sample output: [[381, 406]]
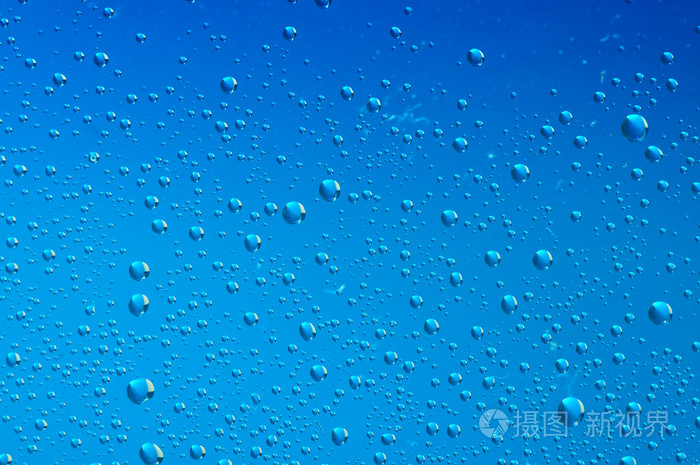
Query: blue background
[[541, 58]]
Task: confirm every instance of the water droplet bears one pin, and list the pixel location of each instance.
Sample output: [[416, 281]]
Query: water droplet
[[138, 304], [475, 57], [293, 213], [228, 85], [634, 128], [289, 33], [139, 271], [542, 260], [140, 390], [660, 313], [151, 454], [329, 190], [339, 436], [571, 411]]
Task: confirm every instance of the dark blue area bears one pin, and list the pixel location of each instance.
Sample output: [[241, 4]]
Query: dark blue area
[[413, 317]]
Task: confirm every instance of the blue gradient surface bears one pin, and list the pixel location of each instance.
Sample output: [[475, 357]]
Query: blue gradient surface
[[349, 232]]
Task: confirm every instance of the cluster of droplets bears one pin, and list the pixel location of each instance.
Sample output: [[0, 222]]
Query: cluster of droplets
[[326, 362]]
